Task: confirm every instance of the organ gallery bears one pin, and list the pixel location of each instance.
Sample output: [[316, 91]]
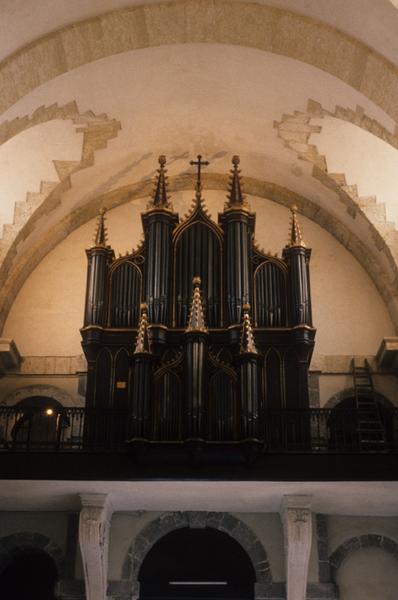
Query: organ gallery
[[197, 334]]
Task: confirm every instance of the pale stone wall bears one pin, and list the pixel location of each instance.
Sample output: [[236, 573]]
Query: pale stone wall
[[367, 552], [342, 528], [352, 151], [368, 574], [22, 25], [51, 524], [34, 151], [332, 384], [268, 529], [124, 528], [65, 389], [223, 22]]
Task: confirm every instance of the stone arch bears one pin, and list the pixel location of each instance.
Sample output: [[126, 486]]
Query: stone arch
[[50, 391], [293, 35], [169, 522], [10, 544], [356, 543], [335, 400]]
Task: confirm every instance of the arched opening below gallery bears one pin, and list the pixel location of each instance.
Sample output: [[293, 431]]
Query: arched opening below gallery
[[197, 563], [29, 574], [347, 418], [39, 423]]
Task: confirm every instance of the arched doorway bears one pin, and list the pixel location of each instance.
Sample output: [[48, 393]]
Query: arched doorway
[[344, 422], [29, 574], [197, 563], [39, 422]]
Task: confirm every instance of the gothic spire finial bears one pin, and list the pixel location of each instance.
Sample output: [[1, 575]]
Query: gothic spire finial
[[143, 345], [235, 196], [160, 198], [101, 235], [247, 344], [296, 237], [196, 320]]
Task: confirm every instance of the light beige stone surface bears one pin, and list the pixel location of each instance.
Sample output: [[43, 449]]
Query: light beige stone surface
[[124, 528], [268, 529], [51, 524], [64, 388], [222, 21], [368, 574], [342, 528], [331, 385]]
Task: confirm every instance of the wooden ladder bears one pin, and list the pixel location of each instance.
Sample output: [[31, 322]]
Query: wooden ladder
[[370, 429]]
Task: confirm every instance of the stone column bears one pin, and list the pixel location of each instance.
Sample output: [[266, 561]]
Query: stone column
[[94, 528], [297, 527]]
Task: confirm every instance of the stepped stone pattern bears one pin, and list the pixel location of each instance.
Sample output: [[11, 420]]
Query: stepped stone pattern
[[97, 130]]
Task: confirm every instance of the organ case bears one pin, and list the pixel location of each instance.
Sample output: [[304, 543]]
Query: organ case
[[197, 333]]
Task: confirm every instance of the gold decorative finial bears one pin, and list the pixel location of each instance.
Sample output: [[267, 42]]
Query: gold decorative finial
[[296, 237], [143, 344], [247, 344], [235, 196], [101, 235], [196, 320], [160, 197]]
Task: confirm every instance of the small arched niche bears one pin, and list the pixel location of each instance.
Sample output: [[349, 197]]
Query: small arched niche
[[343, 422], [197, 563], [28, 574], [39, 422]]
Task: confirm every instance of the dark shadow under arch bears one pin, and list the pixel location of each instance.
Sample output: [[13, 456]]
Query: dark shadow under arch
[[29, 574], [343, 425], [39, 422], [13, 543], [197, 563], [339, 397], [30, 566], [169, 522]]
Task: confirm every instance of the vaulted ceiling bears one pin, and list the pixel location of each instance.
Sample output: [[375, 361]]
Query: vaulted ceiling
[[305, 91]]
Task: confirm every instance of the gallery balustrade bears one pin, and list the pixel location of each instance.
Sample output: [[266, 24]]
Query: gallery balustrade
[[77, 429]]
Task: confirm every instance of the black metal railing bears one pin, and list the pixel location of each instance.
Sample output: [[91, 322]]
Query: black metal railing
[[81, 429]]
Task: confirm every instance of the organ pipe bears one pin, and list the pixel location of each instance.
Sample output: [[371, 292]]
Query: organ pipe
[[195, 367], [140, 402], [159, 222], [237, 223], [99, 257], [297, 257]]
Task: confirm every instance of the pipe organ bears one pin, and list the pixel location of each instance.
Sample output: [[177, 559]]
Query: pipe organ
[[198, 332]]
